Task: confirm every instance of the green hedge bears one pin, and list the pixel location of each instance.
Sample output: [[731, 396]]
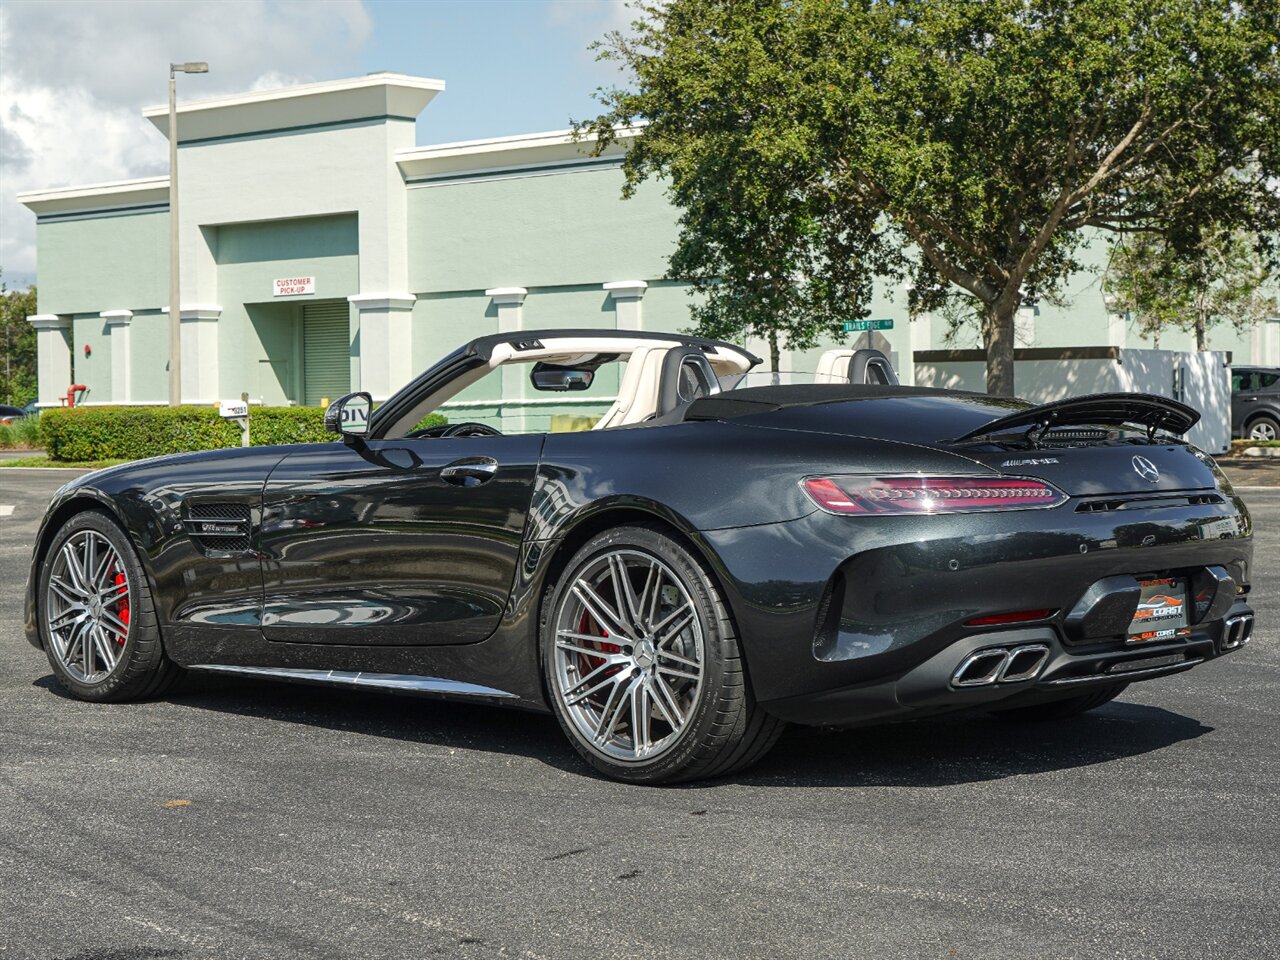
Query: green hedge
[[22, 434], [132, 433]]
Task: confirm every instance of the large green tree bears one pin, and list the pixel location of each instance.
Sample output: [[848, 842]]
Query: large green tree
[[1218, 279], [969, 147], [17, 346]]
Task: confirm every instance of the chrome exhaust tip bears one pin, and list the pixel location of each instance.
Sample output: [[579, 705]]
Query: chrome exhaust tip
[[980, 669], [1024, 663], [1236, 632]]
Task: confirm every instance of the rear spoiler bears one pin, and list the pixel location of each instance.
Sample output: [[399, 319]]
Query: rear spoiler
[[1112, 409]]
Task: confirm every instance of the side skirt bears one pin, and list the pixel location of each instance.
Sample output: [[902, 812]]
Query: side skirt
[[388, 681]]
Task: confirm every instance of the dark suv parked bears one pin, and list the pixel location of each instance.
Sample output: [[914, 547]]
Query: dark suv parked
[[1255, 402]]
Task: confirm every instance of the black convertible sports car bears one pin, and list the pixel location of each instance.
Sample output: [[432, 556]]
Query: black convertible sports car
[[703, 564]]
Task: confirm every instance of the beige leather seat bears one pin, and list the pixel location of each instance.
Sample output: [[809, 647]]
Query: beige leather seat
[[833, 366], [638, 392]]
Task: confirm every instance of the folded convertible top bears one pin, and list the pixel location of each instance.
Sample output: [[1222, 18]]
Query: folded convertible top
[[752, 400]]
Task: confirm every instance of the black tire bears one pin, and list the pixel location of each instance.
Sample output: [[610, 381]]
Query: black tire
[[142, 669], [1061, 709], [1269, 426], [725, 731]]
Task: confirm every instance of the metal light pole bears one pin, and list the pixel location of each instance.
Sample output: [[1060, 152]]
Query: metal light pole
[[175, 286]]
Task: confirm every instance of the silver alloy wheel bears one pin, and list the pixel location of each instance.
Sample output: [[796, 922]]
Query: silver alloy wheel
[[87, 606], [1262, 430], [628, 655]]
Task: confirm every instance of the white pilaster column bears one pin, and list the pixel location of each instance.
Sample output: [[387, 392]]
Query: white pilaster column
[[1117, 327], [1024, 327], [118, 322], [386, 341], [627, 296], [509, 302], [921, 340], [53, 357], [200, 353]]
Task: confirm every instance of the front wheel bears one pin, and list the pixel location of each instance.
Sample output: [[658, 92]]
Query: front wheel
[[97, 620], [643, 666]]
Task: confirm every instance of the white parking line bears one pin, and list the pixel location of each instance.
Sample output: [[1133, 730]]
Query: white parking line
[[6, 509]]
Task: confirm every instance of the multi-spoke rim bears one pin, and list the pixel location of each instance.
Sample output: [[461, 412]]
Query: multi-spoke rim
[[87, 606], [1262, 430], [628, 655]]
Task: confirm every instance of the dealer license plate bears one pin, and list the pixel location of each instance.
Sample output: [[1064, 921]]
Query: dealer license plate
[[1162, 611]]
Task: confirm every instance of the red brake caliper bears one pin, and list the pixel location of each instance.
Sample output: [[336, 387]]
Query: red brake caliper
[[584, 627], [122, 611]]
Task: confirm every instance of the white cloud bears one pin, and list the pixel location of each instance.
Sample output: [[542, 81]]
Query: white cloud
[[77, 74], [591, 20]]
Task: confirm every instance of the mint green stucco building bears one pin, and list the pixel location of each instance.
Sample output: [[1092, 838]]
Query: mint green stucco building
[[322, 251]]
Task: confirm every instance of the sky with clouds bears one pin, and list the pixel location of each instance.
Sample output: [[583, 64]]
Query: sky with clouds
[[75, 75]]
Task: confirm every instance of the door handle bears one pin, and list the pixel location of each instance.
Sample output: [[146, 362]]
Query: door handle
[[470, 472]]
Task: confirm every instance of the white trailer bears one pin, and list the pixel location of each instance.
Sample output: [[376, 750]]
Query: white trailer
[[1200, 380]]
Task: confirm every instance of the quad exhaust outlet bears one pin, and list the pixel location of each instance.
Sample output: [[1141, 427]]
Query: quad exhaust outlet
[[992, 665], [1236, 631]]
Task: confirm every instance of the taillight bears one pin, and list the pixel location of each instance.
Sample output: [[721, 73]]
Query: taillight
[[881, 495], [999, 619]]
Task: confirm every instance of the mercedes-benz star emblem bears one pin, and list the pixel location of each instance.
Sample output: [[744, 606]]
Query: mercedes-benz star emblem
[[1146, 469]]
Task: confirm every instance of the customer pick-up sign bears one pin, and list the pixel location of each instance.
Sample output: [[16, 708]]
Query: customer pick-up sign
[[294, 286]]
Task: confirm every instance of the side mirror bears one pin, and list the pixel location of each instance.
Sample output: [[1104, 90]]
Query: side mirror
[[561, 379], [349, 416]]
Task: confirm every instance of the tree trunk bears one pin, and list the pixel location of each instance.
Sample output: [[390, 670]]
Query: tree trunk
[[774, 355], [997, 338], [1201, 325]]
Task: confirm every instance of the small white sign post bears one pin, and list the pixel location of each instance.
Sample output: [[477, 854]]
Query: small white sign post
[[237, 410]]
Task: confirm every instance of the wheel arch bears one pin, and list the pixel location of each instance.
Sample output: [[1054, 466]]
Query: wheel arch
[[82, 500], [599, 517], [1257, 415]]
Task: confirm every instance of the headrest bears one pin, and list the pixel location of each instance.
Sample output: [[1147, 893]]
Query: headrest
[[686, 376], [871, 366]]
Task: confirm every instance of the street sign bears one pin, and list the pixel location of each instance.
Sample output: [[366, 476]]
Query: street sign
[[857, 326]]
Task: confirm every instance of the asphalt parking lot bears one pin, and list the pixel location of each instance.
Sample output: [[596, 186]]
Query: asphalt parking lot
[[254, 819]]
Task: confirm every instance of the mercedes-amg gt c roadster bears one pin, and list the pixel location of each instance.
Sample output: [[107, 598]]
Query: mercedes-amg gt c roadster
[[673, 563]]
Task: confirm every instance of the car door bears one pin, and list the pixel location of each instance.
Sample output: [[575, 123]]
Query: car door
[[1244, 396], [387, 542]]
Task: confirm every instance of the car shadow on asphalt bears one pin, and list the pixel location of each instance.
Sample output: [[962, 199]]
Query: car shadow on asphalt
[[958, 749], [935, 752]]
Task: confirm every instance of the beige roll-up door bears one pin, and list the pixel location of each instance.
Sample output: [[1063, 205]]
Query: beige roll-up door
[[326, 351]]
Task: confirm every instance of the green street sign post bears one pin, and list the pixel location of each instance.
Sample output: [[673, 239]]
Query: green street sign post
[[857, 326]]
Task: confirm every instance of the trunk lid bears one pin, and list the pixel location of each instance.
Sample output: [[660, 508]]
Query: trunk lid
[[1087, 446], [1097, 445], [1116, 467]]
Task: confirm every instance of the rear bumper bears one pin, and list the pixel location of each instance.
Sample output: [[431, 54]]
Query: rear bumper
[[839, 617], [1061, 670]]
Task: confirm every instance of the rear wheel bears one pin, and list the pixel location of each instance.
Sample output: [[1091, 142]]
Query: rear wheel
[[1263, 428], [97, 620], [1061, 709], [643, 666]]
